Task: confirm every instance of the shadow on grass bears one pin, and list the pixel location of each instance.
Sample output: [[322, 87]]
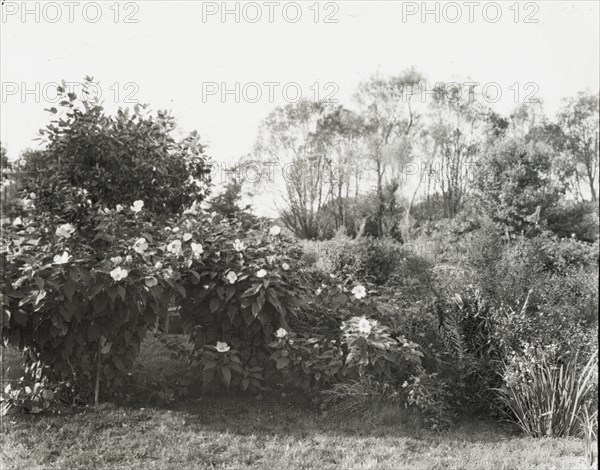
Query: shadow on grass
[[295, 415]]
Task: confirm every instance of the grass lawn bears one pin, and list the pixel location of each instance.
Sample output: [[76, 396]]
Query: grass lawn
[[230, 433]]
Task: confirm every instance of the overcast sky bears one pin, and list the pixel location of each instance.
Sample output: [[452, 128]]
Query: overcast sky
[[165, 58]]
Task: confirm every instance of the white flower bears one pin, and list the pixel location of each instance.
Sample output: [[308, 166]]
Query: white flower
[[281, 333], [168, 273], [573, 235], [364, 326], [151, 281], [137, 206], [359, 292], [174, 247], [158, 265], [65, 230], [275, 230], [140, 245], [222, 347], [238, 245], [128, 259], [206, 286], [187, 237], [118, 273], [119, 208], [197, 249], [62, 259], [32, 196], [231, 277], [318, 291], [285, 267], [116, 260], [261, 273]]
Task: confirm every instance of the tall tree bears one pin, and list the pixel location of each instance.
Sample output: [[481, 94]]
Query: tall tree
[[341, 136], [458, 125], [289, 142], [579, 121], [389, 109]]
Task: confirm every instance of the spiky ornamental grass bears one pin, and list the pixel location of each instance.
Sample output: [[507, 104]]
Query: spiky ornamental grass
[[553, 399]]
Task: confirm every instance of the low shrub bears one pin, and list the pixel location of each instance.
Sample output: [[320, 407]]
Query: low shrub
[[507, 269], [380, 261], [430, 395], [307, 363], [373, 351], [574, 220]]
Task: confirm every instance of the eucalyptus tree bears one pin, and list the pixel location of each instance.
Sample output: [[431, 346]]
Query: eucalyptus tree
[[390, 111], [458, 125], [578, 119], [290, 146]]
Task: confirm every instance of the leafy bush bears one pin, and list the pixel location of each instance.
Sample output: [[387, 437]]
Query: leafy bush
[[543, 290], [80, 298], [560, 310], [222, 365], [430, 395], [375, 260], [307, 363], [127, 157], [548, 397], [373, 351], [244, 288], [519, 181], [87, 267], [349, 348], [574, 220]]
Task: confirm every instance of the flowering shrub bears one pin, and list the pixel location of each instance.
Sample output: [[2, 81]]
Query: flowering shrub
[[373, 351], [307, 363], [358, 349], [242, 288], [98, 307], [87, 265], [80, 298]]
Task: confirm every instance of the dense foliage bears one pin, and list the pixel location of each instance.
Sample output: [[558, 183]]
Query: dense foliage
[[458, 302]]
